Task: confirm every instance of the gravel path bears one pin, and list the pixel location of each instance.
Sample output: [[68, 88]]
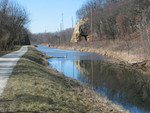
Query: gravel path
[[7, 63]]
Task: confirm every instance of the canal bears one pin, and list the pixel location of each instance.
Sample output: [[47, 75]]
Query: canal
[[124, 86]]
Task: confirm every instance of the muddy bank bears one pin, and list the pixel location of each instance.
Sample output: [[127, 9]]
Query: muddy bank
[[34, 87]]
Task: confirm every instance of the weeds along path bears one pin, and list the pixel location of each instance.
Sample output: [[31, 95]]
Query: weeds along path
[[7, 63]]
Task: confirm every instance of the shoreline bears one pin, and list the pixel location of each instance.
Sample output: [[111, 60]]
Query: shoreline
[[36, 87], [102, 52], [139, 63]]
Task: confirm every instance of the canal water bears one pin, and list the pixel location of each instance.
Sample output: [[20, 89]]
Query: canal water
[[122, 85]]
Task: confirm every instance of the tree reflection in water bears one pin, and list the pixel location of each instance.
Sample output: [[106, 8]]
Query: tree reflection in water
[[120, 84]]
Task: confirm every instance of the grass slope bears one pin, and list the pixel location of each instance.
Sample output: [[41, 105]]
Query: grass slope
[[34, 87]]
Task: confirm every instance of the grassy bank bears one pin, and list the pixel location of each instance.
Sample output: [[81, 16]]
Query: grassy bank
[[34, 87], [9, 51]]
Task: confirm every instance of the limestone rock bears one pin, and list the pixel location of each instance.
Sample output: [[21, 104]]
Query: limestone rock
[[81, 30]]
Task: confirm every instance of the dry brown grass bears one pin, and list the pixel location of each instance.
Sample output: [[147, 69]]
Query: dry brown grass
[[124, 50]]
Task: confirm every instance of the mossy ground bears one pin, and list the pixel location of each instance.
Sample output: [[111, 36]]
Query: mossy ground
[[34, 87]]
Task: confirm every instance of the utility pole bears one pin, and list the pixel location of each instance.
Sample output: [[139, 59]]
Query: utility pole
[[60, 27], [62, 21], [91, 25], [72, 22]]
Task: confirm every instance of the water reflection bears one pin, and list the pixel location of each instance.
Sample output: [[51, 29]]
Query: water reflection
[[118, 83]]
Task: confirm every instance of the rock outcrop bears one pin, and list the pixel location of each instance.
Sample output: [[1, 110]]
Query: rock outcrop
[[81, 30]]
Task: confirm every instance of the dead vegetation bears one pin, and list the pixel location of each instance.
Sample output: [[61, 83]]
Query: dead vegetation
[[129, 51]]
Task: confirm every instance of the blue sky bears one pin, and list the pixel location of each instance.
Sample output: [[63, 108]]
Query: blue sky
[[46, 15]]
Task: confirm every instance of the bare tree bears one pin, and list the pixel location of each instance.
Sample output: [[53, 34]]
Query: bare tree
[[13, 19], [114, 18]]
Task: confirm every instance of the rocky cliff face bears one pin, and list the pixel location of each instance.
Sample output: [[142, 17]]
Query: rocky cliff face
[[81, 30]]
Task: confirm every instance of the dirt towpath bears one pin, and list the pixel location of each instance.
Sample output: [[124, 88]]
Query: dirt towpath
[[7, 63]]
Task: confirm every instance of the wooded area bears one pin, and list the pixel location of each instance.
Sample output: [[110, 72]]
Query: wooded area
[[13, 21], [117, 18], [111, 19]]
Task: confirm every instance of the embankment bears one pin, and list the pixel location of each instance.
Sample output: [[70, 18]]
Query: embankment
[[35, 87]]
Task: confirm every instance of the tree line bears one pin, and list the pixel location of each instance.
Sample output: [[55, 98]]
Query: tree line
[[113, 19], [13, 25], [57, 37]]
